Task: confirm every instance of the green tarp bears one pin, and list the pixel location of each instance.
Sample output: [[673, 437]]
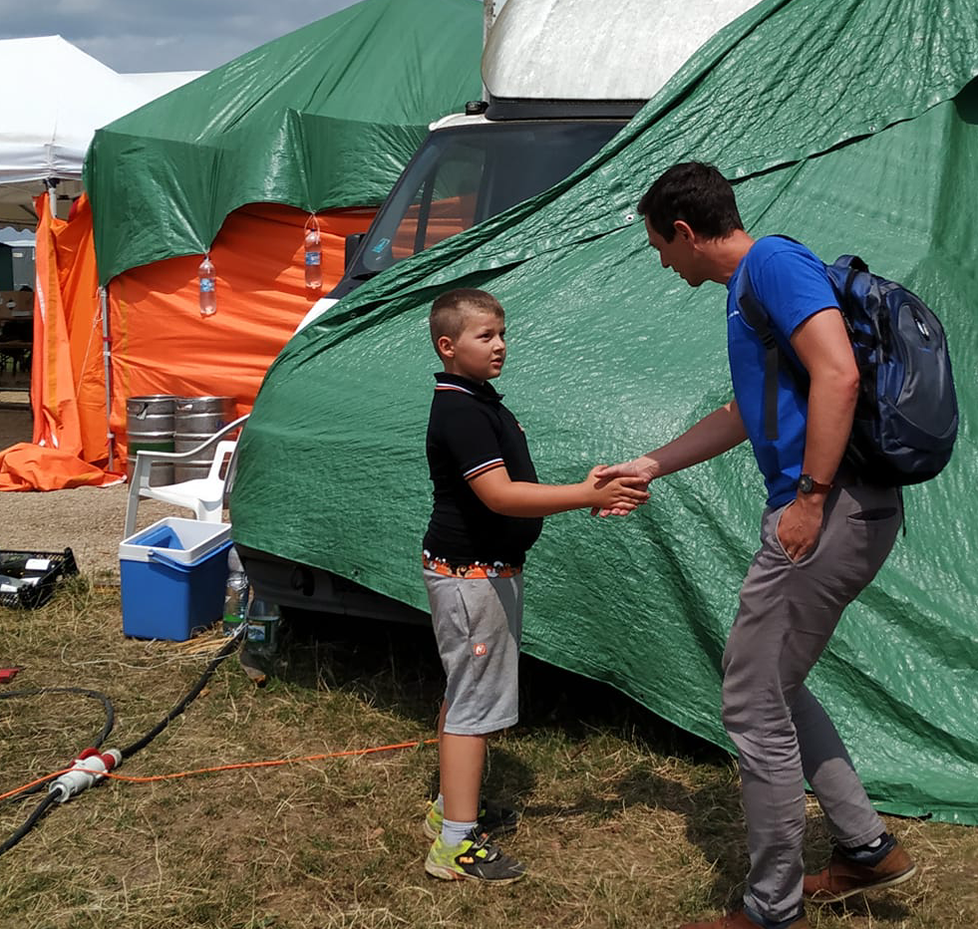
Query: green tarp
[[852, 126], [324, 117]]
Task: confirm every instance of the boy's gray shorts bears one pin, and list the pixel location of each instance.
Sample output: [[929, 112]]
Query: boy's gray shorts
[[478, 625]]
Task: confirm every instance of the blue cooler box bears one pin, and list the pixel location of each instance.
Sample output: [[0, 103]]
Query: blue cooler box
[[173, 578]]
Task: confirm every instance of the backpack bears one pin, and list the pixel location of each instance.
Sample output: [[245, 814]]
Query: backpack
[[906, 417]]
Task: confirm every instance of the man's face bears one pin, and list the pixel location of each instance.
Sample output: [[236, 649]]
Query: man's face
[[680, 254]]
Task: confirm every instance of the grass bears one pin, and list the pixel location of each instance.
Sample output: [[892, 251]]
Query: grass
[[627, 821]]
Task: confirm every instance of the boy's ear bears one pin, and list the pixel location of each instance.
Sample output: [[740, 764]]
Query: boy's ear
[[446, 346]]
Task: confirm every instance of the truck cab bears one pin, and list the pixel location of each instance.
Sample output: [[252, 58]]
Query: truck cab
[[561, 79]]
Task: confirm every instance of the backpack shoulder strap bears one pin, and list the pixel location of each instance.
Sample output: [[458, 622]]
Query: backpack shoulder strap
[[754, 314]]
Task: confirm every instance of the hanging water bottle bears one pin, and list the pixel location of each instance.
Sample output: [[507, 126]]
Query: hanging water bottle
[[236, 595], [263, 622], [314, 259], [208, 295]]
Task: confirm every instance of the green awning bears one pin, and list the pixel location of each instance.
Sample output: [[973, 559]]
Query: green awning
[[324, 117]]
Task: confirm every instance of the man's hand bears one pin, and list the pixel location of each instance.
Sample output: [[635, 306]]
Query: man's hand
[[800, 526], [636, 473], [618, 496]]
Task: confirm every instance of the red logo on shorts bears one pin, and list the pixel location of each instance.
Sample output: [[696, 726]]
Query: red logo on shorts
[[480, 649]]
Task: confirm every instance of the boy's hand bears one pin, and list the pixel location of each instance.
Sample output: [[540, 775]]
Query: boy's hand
[[616, 496], [636, 474]]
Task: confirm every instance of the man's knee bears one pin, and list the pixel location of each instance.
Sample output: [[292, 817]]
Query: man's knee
[[735, 703]]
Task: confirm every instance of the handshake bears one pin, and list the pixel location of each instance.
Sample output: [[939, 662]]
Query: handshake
[[618, 489]]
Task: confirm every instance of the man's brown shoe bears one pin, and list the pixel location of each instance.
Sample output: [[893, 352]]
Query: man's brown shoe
[[844, 877], [740, 921]]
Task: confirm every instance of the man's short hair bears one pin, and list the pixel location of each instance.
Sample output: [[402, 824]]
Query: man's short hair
[[450, 310], [696, 193]]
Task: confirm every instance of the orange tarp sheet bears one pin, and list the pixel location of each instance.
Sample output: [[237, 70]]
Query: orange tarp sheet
[[32, 467], [162, 345], [159, 342]]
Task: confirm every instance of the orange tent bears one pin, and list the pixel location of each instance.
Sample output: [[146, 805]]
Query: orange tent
[[156, 340]]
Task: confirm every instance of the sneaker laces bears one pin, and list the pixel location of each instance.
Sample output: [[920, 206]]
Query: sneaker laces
[[483, 843]]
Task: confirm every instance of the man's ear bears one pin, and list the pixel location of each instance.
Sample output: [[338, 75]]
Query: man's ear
[[684, 230], [446, 346]]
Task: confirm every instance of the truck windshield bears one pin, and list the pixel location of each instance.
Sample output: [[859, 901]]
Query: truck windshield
[[463, 175]]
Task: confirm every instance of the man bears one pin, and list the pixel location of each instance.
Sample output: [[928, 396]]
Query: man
[[824, 536]]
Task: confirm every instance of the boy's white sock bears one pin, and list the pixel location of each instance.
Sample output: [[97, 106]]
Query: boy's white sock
[[452, 832]]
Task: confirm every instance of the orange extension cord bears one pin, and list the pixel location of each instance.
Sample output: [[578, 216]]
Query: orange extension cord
[[225, 767]]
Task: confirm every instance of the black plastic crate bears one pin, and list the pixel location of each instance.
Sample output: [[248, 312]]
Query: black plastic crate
[[30, 597]]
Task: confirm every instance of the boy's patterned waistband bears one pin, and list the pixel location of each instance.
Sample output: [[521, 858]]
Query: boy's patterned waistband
[[477, 570]]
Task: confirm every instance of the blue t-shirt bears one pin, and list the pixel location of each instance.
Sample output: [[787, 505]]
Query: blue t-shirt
[[791, 284]]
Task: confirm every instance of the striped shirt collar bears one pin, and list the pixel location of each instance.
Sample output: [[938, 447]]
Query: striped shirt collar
[[446, 381]]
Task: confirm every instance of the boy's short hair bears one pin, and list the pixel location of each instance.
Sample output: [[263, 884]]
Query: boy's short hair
[[696, 193], [449, 311]]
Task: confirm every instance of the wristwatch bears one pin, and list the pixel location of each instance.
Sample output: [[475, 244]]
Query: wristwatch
[[808, 485]]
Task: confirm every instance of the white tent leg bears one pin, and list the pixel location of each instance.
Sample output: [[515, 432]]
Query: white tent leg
[[51, 183]]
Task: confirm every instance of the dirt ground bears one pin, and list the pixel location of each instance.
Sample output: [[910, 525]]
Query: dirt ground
[[89, 520]]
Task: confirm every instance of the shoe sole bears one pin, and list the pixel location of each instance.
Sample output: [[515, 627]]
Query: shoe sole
[[499, 830], [449, 874], [823, 897]]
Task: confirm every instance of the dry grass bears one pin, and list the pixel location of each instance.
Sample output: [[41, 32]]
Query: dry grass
[[627, 822]]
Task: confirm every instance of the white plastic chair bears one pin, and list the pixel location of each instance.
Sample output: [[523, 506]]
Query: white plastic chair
[[203, 495]]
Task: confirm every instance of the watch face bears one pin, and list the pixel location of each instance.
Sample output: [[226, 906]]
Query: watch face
[[805, 483]]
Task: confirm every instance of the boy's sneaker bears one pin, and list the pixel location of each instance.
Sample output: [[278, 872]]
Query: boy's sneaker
[[847, 875], [493, 819], [475, 858]]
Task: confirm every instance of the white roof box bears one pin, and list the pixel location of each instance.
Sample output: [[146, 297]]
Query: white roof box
[[593, 52]]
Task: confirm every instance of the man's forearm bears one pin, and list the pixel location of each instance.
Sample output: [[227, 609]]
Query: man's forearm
[[713, 435], [831, 405]]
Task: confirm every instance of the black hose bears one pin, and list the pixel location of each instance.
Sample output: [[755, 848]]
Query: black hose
[[129, 750], [94, 694], [32, 820], [190, 696]]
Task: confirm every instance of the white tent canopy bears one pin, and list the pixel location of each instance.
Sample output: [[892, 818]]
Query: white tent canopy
[[54, 98]]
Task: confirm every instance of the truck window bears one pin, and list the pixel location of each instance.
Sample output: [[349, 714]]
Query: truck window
[[463, 175], [443, 204]]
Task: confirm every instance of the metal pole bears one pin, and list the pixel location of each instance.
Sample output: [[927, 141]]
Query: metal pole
[[488, 15], [107, 361], [51, 183], [490, 9]]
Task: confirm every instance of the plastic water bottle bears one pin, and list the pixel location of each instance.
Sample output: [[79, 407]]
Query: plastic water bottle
[[314, 261], [236, 596], [207, 279], [263, 623]]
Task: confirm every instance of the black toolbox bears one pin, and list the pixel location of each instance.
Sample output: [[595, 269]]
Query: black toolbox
[[28, 579]]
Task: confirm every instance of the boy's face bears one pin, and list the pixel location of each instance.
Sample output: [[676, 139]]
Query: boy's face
[[480, 349]]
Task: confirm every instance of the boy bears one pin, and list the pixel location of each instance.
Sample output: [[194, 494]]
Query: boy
[[488, 510]]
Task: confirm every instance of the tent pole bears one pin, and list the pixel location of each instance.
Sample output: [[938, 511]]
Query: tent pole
[[51, 183], [107, 361]]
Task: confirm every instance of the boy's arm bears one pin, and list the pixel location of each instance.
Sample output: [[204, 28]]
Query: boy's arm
[[523, 498]]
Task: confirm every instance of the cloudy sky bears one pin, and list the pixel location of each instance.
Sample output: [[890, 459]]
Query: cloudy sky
[[162, 35]]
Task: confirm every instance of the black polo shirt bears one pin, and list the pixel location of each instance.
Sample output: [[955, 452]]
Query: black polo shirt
[[471, 432]]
